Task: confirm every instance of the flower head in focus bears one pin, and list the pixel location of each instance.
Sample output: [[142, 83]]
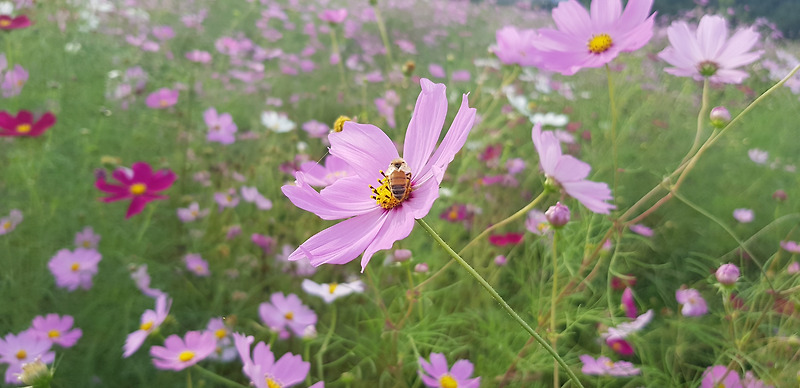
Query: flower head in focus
[[438, 375], [139, 183], [377, 216], [264, 371]]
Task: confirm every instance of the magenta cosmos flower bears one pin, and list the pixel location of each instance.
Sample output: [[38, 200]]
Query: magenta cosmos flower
[[377, 217], [592, 39], [150, 321], [23, 124], [264, 371], [437, 374], [56, 329], [569, 173], [16, 350], [287, 311], [162, 98], [73, 269], [707, 52], [138, 183], [9, 23], [179, 354]]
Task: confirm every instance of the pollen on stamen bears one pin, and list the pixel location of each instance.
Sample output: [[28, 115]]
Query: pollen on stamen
[[600, 43]]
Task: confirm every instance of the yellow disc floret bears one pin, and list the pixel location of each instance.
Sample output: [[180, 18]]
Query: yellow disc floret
[[186, 355], [289, 316], [383, 195], [54, 333], [448, 381], [338, 125], [220, 333], [23, 128], [272, 383], [332, 287], [22, 354], [5, 23], [75, 267], [138, 188], [146, 326], [600, 43]]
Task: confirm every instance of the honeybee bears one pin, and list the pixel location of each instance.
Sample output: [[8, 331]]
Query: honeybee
[[399, 175]]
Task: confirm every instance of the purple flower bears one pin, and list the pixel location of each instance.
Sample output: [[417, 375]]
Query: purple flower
[[437, 374], [87, 238], [606, 32], [225, 351], [13, 81], [287, 312], [162, 98], [628, 304], [693, 303], [196, 265], [707, 52], [743, 215], [335, 16], [570, 173], [378, 217], [264, 242], [436, 70], [177, 354], [56, 329], [727, 274], [7, 224], [221, 128], [229, 199], [191, 213], [264, 371], [720, 376], [25, 347], [316, 129], [251, 194], [150, 321], [73, 269], [557, 215], [604, 366], [163, 32], [516, 46], [322, 176], [790, 246]]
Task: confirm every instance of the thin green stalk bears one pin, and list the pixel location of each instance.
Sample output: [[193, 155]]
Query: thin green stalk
[[325, 342], [217, 378], [335, 48], [553, 303], [518, 214], [614, 118], [384, 35], [146, 223], [188, 378], [502, 302], [701, 116]]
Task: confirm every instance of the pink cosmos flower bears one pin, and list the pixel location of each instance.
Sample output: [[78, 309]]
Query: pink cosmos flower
[[229, 199], [436, 70], [758, 156], [720, 376], [693, 303], [138, 183], [604, 366], [23, 124], [335, 16], [251, 194], [25, 347], [199, 56], [196, 265], [620, 346], [316, 129], [162, 98], [264, 242], [378, 217], [14, 81], [322, 176], [594, 39], [225, 351], [537, 223], [287, 311], [163, 32], [221, 128], [150, 321], [707, 52], [179, 354], [73, 269], [192, 212], [9, 23], [744, 215], [793, 268], [570, 173], [7, 224], [641, 230], [623, 330], [142, 279], [437, 374], [56, 329], [790, 246], [87, 238], [517, 46], [264, 371], [628, 304]]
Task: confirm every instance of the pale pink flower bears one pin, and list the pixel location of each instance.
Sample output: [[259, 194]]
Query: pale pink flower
[[56, 329], [437, 374], [7, 224], [376, 218], [150, 321], [641, 230], [162, 98], [334, 16], [196, 265], [87, 238], [25, 347], [604, 366], [199, 56], [720, 376], [790, 246], [284, 312], [225, 350], [73, 269], [693, 303], [264, 371], [191, 213], [221, 128], [13, 81], [332, 291], [758, 156], [179, 354], [142, 279], [744, 215]]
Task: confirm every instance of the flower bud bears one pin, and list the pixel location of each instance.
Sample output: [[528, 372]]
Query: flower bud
[[720, 117], [779, 195], [557, 215], [36, 374], [401, 255], [408, 68], [500, 260], [421, 268], [727, 274]]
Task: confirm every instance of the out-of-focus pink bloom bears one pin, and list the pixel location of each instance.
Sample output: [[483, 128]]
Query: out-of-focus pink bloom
[[790, 246], [517, 46], [199, 56], [264, 371], [400, 255], [251, 194], [437, 374], [570, 173], [9, 23], [23, 124], [460, 76], [139, 184], [162, 98], [758, 156], [500, 260], [192, 213], [421, 268], [334, 16], [87, 238], [316, 129], [406, 46], [56, 329], [751, 381], [284, 312], [150, 321], [793, 268], [25, 347], [693, 303], [510, 238], [221, 128], [607, 31], [641, 230], [727, 274], [163, 32], [13, 81], [376, 217], [73, 269], [707, 52], [225, 350], [7, 224], [720, 376], [536, 222], [323, 176], [620, 283], [628, 304], [196, 265], [744, 215], [229, 199], [515, 166], [604, 366], [233, 231], [436, 70], [264, 242], [179, 354], [557, 215], [142, 279], [623, 330], [332, 291], [386, 111], [620, 346], [455, 213]]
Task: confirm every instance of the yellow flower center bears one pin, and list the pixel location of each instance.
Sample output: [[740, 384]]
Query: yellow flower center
[[383, 195], [617, 346], [448, 381], [453, 215], [600, 43], [272, 383], [199, 269], [220, 333], [75, 267], [5, 23], [138, 188], [332, 288], [6, 225], [23, 128], [720, 385], [289, 316], [609, 364], [146, 326], [186, 355], [22, 354], [163, 103], [338, 125], [54, 334]]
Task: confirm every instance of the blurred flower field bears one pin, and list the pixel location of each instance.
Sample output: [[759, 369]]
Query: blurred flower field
[[396, 193]]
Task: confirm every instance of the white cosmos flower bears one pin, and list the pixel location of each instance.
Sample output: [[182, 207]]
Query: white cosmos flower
[[6, 8], [550, 118], [333, 291], [276, 122]]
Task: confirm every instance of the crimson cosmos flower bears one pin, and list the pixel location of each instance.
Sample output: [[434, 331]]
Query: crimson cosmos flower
[[139, 183], [23, 124], [9, 23]]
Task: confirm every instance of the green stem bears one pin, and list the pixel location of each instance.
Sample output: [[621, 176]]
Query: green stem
[[146, 224], [614, 118], [335, 48], [384, 35], [217, 378], [188, 378], [700, 122], [502, 302], [325, 342], [553, 302]]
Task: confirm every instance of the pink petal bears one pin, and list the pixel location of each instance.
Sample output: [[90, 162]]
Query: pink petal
[[711, 35], [343, 242], [136, 207], [570, 169], [462, 369], [397, 226], [305, 197], [453, 141], [605, 12], [365, 148], [590, 194], [572, 18], [426, 124]]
